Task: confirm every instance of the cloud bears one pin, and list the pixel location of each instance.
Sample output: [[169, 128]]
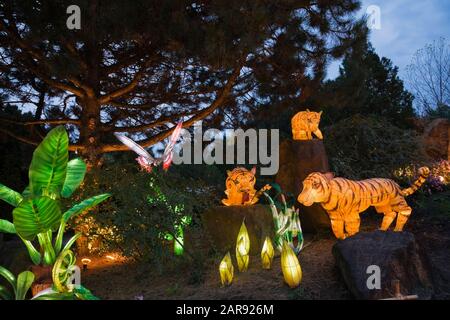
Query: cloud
[[406, 26]]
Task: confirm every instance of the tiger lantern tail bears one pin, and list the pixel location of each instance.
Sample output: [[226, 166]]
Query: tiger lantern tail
[[424, 172]]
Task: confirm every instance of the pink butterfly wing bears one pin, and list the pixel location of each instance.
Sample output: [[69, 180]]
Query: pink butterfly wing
[[168, 151], [135, 147]]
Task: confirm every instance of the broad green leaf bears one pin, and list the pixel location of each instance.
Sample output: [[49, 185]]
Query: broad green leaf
[[84, 294], [6, 226], [85, 205], [55, 296], [10, 196], [71, 242], [59, 237], [48, 166], [5, 294], [46, 245], [27, 192], [76, 169], [5, 273], [34, 254], [34, 216], [24, 282]]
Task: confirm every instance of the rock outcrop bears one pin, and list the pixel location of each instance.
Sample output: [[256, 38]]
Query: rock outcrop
[[396, 254], [297, 160], [436, 139]]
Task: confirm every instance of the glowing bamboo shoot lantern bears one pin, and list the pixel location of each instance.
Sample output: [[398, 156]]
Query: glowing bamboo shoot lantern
[[242, 248], [290, 266], [178, 241], [226, 270], [267, 254]]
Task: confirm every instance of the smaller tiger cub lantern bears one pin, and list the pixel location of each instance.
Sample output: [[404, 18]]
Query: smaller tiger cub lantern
[[306, 123], [242, 248], [267, 254], [290, 266], [240, 187], [226, 270]]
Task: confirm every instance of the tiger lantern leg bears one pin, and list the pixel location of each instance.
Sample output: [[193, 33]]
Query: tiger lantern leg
[[318, 134], [389, 216], [337, 225], [402, 217], [404, 211], [352, 226]]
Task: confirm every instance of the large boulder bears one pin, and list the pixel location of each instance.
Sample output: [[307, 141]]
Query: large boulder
[[297, 160], [222, 225], [398, 257], [436, 139]]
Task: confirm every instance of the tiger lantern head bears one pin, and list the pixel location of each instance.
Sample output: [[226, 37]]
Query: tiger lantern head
[[240, 187], [304, 124], [316, 188]]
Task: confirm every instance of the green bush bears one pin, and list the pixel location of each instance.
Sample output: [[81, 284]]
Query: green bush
[[146, 209], [362, 147]]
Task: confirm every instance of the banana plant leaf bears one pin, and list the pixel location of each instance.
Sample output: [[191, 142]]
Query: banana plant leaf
[[24, 282], [26, 193], [5, 294], [34, 254], [51, 294], [84, 206], [47, 171], [84, 294], [10, 196], [5, 273], [7, 227], [71, 241], [76, 169], [34, 216]]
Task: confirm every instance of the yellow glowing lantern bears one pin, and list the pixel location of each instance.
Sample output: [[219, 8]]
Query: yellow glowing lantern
[[267, 254], [226, 270], [290, 266], [242, 248]]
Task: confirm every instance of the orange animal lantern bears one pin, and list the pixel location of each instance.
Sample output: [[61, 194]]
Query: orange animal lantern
[[345, 199], [240, 187], [304, 124]]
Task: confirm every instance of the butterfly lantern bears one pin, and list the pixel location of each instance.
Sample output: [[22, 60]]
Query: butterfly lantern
[[145, 160]]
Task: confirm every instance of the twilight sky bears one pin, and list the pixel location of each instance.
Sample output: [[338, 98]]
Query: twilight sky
[[406, 26]]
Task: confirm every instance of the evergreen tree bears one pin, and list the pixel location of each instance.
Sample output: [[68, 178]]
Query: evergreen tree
[[140, 66], [367, 85]]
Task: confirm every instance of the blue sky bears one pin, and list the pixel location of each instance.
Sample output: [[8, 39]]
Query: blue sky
[[406, 26]]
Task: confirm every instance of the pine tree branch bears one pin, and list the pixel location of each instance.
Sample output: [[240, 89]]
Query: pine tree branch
[[37, 56], [217, 103], [43, 121], [30, 141]]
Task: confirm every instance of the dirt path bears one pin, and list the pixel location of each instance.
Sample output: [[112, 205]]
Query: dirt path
[[125, 280], [121, 279]]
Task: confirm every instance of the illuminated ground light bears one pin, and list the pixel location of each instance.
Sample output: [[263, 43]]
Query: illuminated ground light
[[85, 262]]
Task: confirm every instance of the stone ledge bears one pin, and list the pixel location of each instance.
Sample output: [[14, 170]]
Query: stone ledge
[[222, 223]]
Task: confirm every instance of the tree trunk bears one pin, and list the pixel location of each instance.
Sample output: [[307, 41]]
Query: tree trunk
[[90, 132]]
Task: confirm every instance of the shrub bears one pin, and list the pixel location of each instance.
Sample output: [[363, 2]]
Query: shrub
[[362, 147], [146, 210]]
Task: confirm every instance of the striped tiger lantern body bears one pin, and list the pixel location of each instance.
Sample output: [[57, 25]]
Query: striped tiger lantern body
[[345, 199]]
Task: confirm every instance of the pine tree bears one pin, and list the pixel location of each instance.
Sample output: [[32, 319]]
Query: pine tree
[[368, 85], [140, 66]]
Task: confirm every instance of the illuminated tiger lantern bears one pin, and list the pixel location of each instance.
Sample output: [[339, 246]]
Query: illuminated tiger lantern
[[240, 187], [345, 199], [304, 124]]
